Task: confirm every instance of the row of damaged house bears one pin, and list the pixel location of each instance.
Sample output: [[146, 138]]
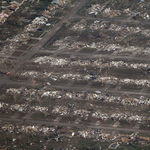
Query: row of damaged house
[[87, 77], [75, 111], [30, 94], [96, 135], [124, 30], [66, 44], [97, 62], [108, 12]]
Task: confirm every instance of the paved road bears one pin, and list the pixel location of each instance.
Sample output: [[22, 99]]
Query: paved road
[[110, 56], [91, 126], [77, 88], [110, 19], [95, 54]]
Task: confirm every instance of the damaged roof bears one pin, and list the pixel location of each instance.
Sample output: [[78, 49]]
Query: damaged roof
[[58, 2]]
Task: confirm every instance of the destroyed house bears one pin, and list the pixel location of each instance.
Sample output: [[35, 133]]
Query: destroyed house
[[58, 2]]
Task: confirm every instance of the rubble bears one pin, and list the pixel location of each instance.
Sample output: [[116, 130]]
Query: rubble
[[78, 96], [99, 135], [66, 43], [80, 26], [96, 63], [38, 108], [61, 110], [111, 13], [50, 60], [64, 111], [54, 94], [79, 77], [119, 116], [95, 9], [27, 129], [19, 107], [82, 113], [123, 64]]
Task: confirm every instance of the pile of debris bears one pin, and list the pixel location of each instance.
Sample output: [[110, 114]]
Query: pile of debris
[[22, 107], [65, 62], [99, 135], [111, 13], [98, 114], [97, 62], [27, 129], [20, 38], [106, 12], [38, 108], [124, 101], [97, 25], [54, 94], [82, 113], [80, 26], [50, 60], [61, 110], [19, 107], [65, 111], [123, 30], [50, 11], [118, 64], [119, 116]]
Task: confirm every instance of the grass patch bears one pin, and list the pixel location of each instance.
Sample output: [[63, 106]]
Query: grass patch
[[145, 127], [68, 119], [98, 84], [80, 83], [89, 144], [36, 34], [38, 115], [23, 47], [88, 50], [133, 147], [131, 87], [124, 123]]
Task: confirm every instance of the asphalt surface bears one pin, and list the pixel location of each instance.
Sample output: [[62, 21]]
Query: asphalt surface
[[48, 123], [111, 19]]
